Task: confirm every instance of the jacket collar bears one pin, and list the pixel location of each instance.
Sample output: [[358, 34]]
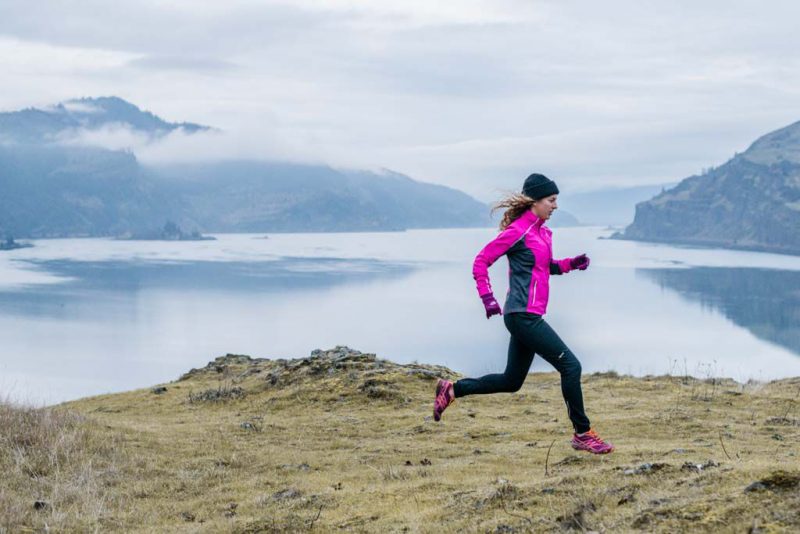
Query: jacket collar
[[534, 219]]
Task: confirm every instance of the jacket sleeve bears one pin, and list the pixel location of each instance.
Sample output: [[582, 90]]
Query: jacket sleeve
[[490, 253], [560, 266]]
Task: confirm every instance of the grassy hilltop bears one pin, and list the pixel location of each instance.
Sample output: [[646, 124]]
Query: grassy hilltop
[[343, 441]]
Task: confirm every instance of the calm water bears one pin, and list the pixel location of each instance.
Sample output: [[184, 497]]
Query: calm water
[[87, 316]]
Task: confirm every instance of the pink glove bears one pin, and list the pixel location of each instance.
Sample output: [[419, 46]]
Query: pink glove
[[579, 262], [491, 305]]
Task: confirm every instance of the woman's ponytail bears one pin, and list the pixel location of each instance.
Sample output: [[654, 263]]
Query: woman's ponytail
[[515, 205]]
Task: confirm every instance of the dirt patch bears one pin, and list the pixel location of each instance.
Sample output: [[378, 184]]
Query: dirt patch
[[777, 481]]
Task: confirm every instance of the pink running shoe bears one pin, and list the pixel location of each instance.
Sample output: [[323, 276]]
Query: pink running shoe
[[591, 442], [445, 396]]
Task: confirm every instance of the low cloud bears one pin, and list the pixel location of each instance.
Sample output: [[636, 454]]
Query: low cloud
[[80, 107], [111, 136], [181, 146], [217, 145], [472, 94]]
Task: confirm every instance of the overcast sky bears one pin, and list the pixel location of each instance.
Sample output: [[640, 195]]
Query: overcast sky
[[471, 94]]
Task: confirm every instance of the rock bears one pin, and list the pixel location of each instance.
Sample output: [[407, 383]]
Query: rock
[[219, 394], [783, 421], [422, 373], [646, 469], [689, 466], [230, 510], [755, 486], [777, 481], [189, 517], [222, 363], [630, 497], [286, 494], [159, 390]]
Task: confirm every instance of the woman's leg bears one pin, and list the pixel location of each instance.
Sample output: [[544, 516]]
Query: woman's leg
[[536, 334], [517, 366]]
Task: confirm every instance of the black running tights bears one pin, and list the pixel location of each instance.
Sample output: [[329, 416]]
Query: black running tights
[[530, 334]]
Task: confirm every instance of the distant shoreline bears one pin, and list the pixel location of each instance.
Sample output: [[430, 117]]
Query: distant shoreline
[[696, 243]]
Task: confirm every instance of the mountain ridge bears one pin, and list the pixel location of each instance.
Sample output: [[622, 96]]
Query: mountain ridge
[[751, 202], [51, 125], [52, 189]]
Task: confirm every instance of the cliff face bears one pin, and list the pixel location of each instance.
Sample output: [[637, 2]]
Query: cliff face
[[751, 202]]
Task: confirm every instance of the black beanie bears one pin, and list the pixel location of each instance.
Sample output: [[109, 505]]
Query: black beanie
[[539, 186]]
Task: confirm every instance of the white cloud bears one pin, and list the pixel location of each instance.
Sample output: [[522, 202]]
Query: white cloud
[[111, 136], [81, 107], [470, 94], [262, 144]]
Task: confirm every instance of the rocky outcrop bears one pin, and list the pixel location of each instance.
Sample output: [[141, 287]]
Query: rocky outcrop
[[341, 372], [751, 202]]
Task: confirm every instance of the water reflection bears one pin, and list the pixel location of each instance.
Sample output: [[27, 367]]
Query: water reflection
[[764, 301], [108, 282], [130, 315]]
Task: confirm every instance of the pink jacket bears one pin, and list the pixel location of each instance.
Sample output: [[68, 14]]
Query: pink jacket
[[528, 244]]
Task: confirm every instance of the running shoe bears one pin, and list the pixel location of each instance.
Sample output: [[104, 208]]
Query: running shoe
[[591, 442], [445, 396]]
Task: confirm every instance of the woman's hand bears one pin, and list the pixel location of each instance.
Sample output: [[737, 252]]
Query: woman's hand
[[579, 262], [491, 305]]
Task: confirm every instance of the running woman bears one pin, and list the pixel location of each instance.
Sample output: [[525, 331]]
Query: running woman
[[527, 243]]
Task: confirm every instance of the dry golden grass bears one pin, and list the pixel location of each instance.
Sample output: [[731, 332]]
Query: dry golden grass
[[345, 442], [58, 470]]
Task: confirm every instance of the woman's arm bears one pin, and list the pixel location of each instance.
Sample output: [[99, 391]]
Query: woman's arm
[[565, 265], [560, 266], [490, 253]]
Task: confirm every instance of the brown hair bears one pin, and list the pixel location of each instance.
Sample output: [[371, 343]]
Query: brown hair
[[515, 205]]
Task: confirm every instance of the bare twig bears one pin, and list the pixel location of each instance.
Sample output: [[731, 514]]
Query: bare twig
[[723, 446], [375, 469], [311, 524], [547, 458], [791, 404]]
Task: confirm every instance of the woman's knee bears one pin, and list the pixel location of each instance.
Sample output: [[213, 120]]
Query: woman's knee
[[513, 384], [516, 386], [571, 365]]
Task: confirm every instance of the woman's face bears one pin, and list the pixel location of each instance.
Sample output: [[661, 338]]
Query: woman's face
[[544, 207]]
